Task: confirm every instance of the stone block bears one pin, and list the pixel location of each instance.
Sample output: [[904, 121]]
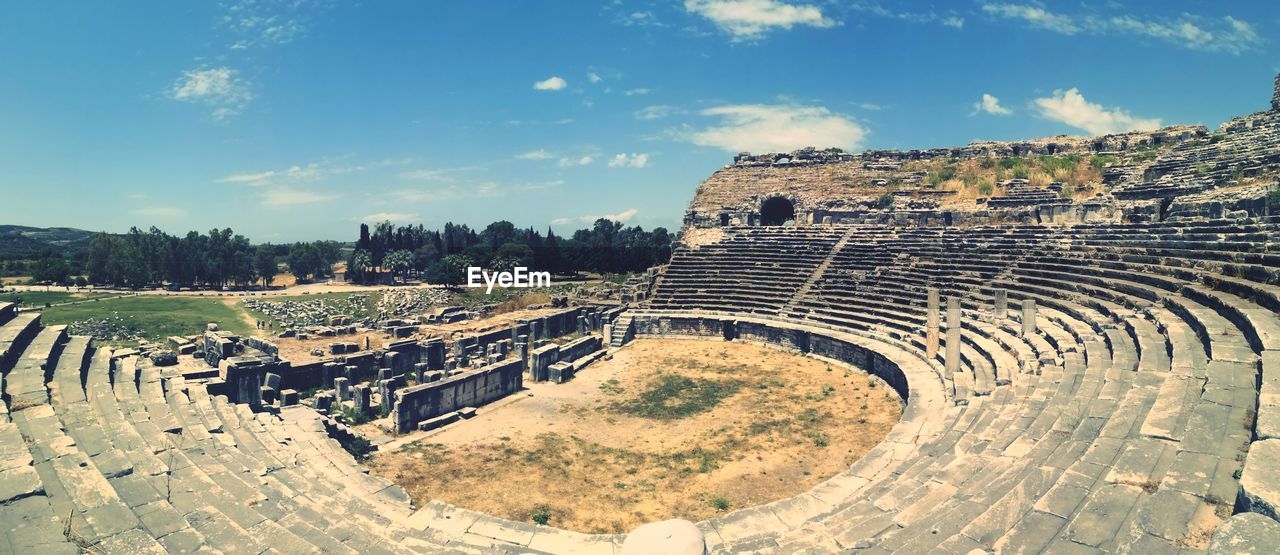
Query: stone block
[[1260, 481], [1246, 533]]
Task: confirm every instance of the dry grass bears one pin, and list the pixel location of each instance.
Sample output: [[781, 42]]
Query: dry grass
[[522, 302], [665, 429], [1078, 173]]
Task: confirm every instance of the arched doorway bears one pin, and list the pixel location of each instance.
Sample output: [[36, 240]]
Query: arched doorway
[[777, 211]]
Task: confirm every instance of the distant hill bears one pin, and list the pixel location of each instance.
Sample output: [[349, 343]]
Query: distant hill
[[19, 242]]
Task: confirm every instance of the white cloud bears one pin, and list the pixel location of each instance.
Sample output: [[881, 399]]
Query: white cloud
[[1228, 34], [314, 171], [637, 92], [254, 23], [747, 20], [657, 112], [388, 217], [636, 18], [538, 185], [567, 162], [594, 77], [426, 175], [277, 197], [539, 154], [450, 191], [990, 105], [1035, 16], [1235, 36], [249, 178], [777, 128], [550, 84], [161, 211], [621, 217], [633, 160], [874, 8], [1071, 108], [219, 88]]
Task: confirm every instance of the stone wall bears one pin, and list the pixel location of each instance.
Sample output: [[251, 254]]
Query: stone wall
[[262, 345], [804, 339], [1275, 96], [241, 378], [468, 389], [544, 327]]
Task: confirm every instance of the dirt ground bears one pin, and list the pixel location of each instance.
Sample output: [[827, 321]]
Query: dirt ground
[[298, 351], [665, 429], [489, 323]]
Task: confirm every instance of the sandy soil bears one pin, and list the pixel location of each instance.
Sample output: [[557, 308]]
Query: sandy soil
[[666, 428], [298, 351], [489, 323]]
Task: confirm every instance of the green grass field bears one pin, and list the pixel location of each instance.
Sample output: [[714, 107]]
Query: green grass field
[[156, 317], [42, 298]]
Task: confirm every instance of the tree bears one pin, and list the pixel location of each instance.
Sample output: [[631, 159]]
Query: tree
[[450, 271], [398, 261], [304, 261], [425, 256], [265, 264], [359, 265], [498, 233], [101, 249], [605, 247], [511, 255], [363, 243], [51, 269]]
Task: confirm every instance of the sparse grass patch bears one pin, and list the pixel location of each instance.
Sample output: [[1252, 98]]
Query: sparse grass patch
[[611, 387], [541, 515], [720, 503], [672, 396]]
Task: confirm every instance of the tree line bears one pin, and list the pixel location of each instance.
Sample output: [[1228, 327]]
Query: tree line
[[442, 256], [221, 257], [214, 259]]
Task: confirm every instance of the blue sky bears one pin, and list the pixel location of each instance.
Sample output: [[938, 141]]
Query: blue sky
[[297, 120]]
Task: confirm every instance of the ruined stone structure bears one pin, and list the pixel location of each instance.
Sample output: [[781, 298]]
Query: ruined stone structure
[[1177, 171], [1105, 378]]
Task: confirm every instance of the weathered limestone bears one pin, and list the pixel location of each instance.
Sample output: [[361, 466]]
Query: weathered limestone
[[670, 537], [363, 396], [1260, 482], [433, 353], [1246, 533], [931, 325], [386, 393], [324, 401], [342, 389], [1275, 96], [540, 359], [1028, 317], [560, 372], [952, 356], [470, 388], [1000, 309]]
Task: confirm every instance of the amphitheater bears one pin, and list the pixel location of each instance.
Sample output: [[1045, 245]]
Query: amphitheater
[[1080, 375]]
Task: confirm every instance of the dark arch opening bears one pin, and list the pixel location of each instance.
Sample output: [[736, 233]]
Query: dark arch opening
[[777, 211]]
